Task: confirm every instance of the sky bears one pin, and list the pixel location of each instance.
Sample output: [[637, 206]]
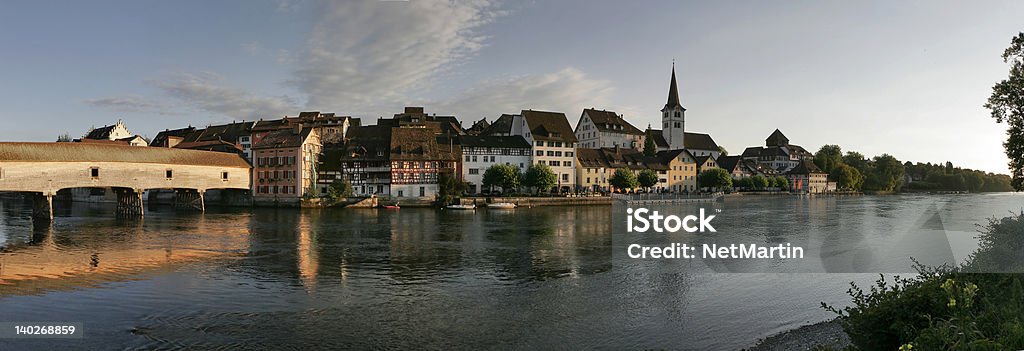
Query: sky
[[907, 78]]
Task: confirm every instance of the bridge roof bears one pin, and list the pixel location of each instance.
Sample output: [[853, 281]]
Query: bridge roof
[[94, 152]]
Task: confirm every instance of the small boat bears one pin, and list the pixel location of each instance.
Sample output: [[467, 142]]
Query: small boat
[[390, 207], [460, 207], [502, 205]]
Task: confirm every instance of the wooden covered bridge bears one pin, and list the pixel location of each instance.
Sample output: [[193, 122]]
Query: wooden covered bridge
[[46, 168]]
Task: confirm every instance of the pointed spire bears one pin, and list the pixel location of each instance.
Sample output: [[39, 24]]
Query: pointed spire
[[673, 91]]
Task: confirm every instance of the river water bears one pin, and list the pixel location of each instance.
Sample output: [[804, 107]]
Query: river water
[[529, 278]]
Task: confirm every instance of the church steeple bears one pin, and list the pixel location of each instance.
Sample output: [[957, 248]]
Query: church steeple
[[673, 116], [673, 92]]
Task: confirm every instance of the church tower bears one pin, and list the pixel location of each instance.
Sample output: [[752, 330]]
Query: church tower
[[673, 116]]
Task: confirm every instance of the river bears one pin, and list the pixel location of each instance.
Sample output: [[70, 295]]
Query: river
[[529, 278]]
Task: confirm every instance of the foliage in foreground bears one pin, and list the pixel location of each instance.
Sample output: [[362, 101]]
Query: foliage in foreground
[[947, 308]]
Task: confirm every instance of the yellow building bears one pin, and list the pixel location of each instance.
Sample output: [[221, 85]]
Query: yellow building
[[592, 170], [682, 170]]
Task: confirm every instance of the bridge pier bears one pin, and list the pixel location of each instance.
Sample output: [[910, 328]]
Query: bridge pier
[[191, 199], [42, 208], [129, 203]]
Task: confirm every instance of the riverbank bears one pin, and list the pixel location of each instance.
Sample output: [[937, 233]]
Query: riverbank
[[822, 335]]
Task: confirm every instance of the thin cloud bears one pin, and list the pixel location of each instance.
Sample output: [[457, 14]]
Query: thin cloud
[[363, 53], [132, 104], [204, 92]]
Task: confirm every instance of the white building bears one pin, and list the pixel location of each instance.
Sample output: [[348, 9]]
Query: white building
[[551, 137], [481, 152], [599, 128]]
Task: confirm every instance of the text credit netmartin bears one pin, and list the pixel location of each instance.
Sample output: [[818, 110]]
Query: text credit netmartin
[[677, 250]]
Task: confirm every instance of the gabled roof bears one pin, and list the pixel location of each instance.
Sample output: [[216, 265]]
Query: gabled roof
[[728, 163], [114, 152], [549, 126], [286, 137], [753, 151], [161, 138], [700, 160], [512, 141], [668, 155], [420, 144], [609, 121], [805, 167], [659, 138], [501, 126], [776, 139], [592, 158], [478, 127], [699, 141]]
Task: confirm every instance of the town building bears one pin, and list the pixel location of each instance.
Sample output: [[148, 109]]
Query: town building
[[601, 128], [806, 177], [592, 170], [285, 167], [778, 153], [116, 133], [418, 156], [235, 137], [551, 137], [681, 170], [415, 117], [363, 161], [705, 162], [481, 152]]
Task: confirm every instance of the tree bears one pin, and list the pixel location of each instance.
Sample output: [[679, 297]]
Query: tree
[[828, 157], [449, 186], [722, 150], [650, 149], [714, 178], [758, 182], [503, 175], [340, 188], [540, 177], [856, 160], [885, 174], [742, 182], [780, 182], [64, 138], [1007, 105], [623, 179], [848, 178], [647, 178]]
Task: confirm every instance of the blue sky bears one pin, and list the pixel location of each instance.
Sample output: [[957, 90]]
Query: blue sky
[[907, 78]]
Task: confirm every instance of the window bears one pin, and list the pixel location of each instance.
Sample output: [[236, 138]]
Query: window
[[474, 158], [678, 114], [678, 125], [568, 154], [558, 153], [467, 158], [94, 172], [540, 143], [474, 171], [400, 194], [540, 153], [223, 175], [568, 163], [565, 177], [169, 174], [422, 192], [551, 153]]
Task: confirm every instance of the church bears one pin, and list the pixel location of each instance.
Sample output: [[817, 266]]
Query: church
[[673, 135]]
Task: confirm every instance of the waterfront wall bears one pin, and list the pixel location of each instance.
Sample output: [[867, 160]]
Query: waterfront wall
[[540, 201]]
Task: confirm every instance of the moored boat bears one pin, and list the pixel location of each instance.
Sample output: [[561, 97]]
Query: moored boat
[[502, 205], [460, 207]]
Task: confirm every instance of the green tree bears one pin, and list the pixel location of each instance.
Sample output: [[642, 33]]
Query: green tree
[[64, 138], [856, 160], [742, 182], [847, 177], [714, 178], [339, 189], [503, 175], [885, 174], [1007, 105], [780, 182], [449, 186], [623, 179], [650, 149], [758, 182], [540, 177], [828, 157], [647, 178]]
